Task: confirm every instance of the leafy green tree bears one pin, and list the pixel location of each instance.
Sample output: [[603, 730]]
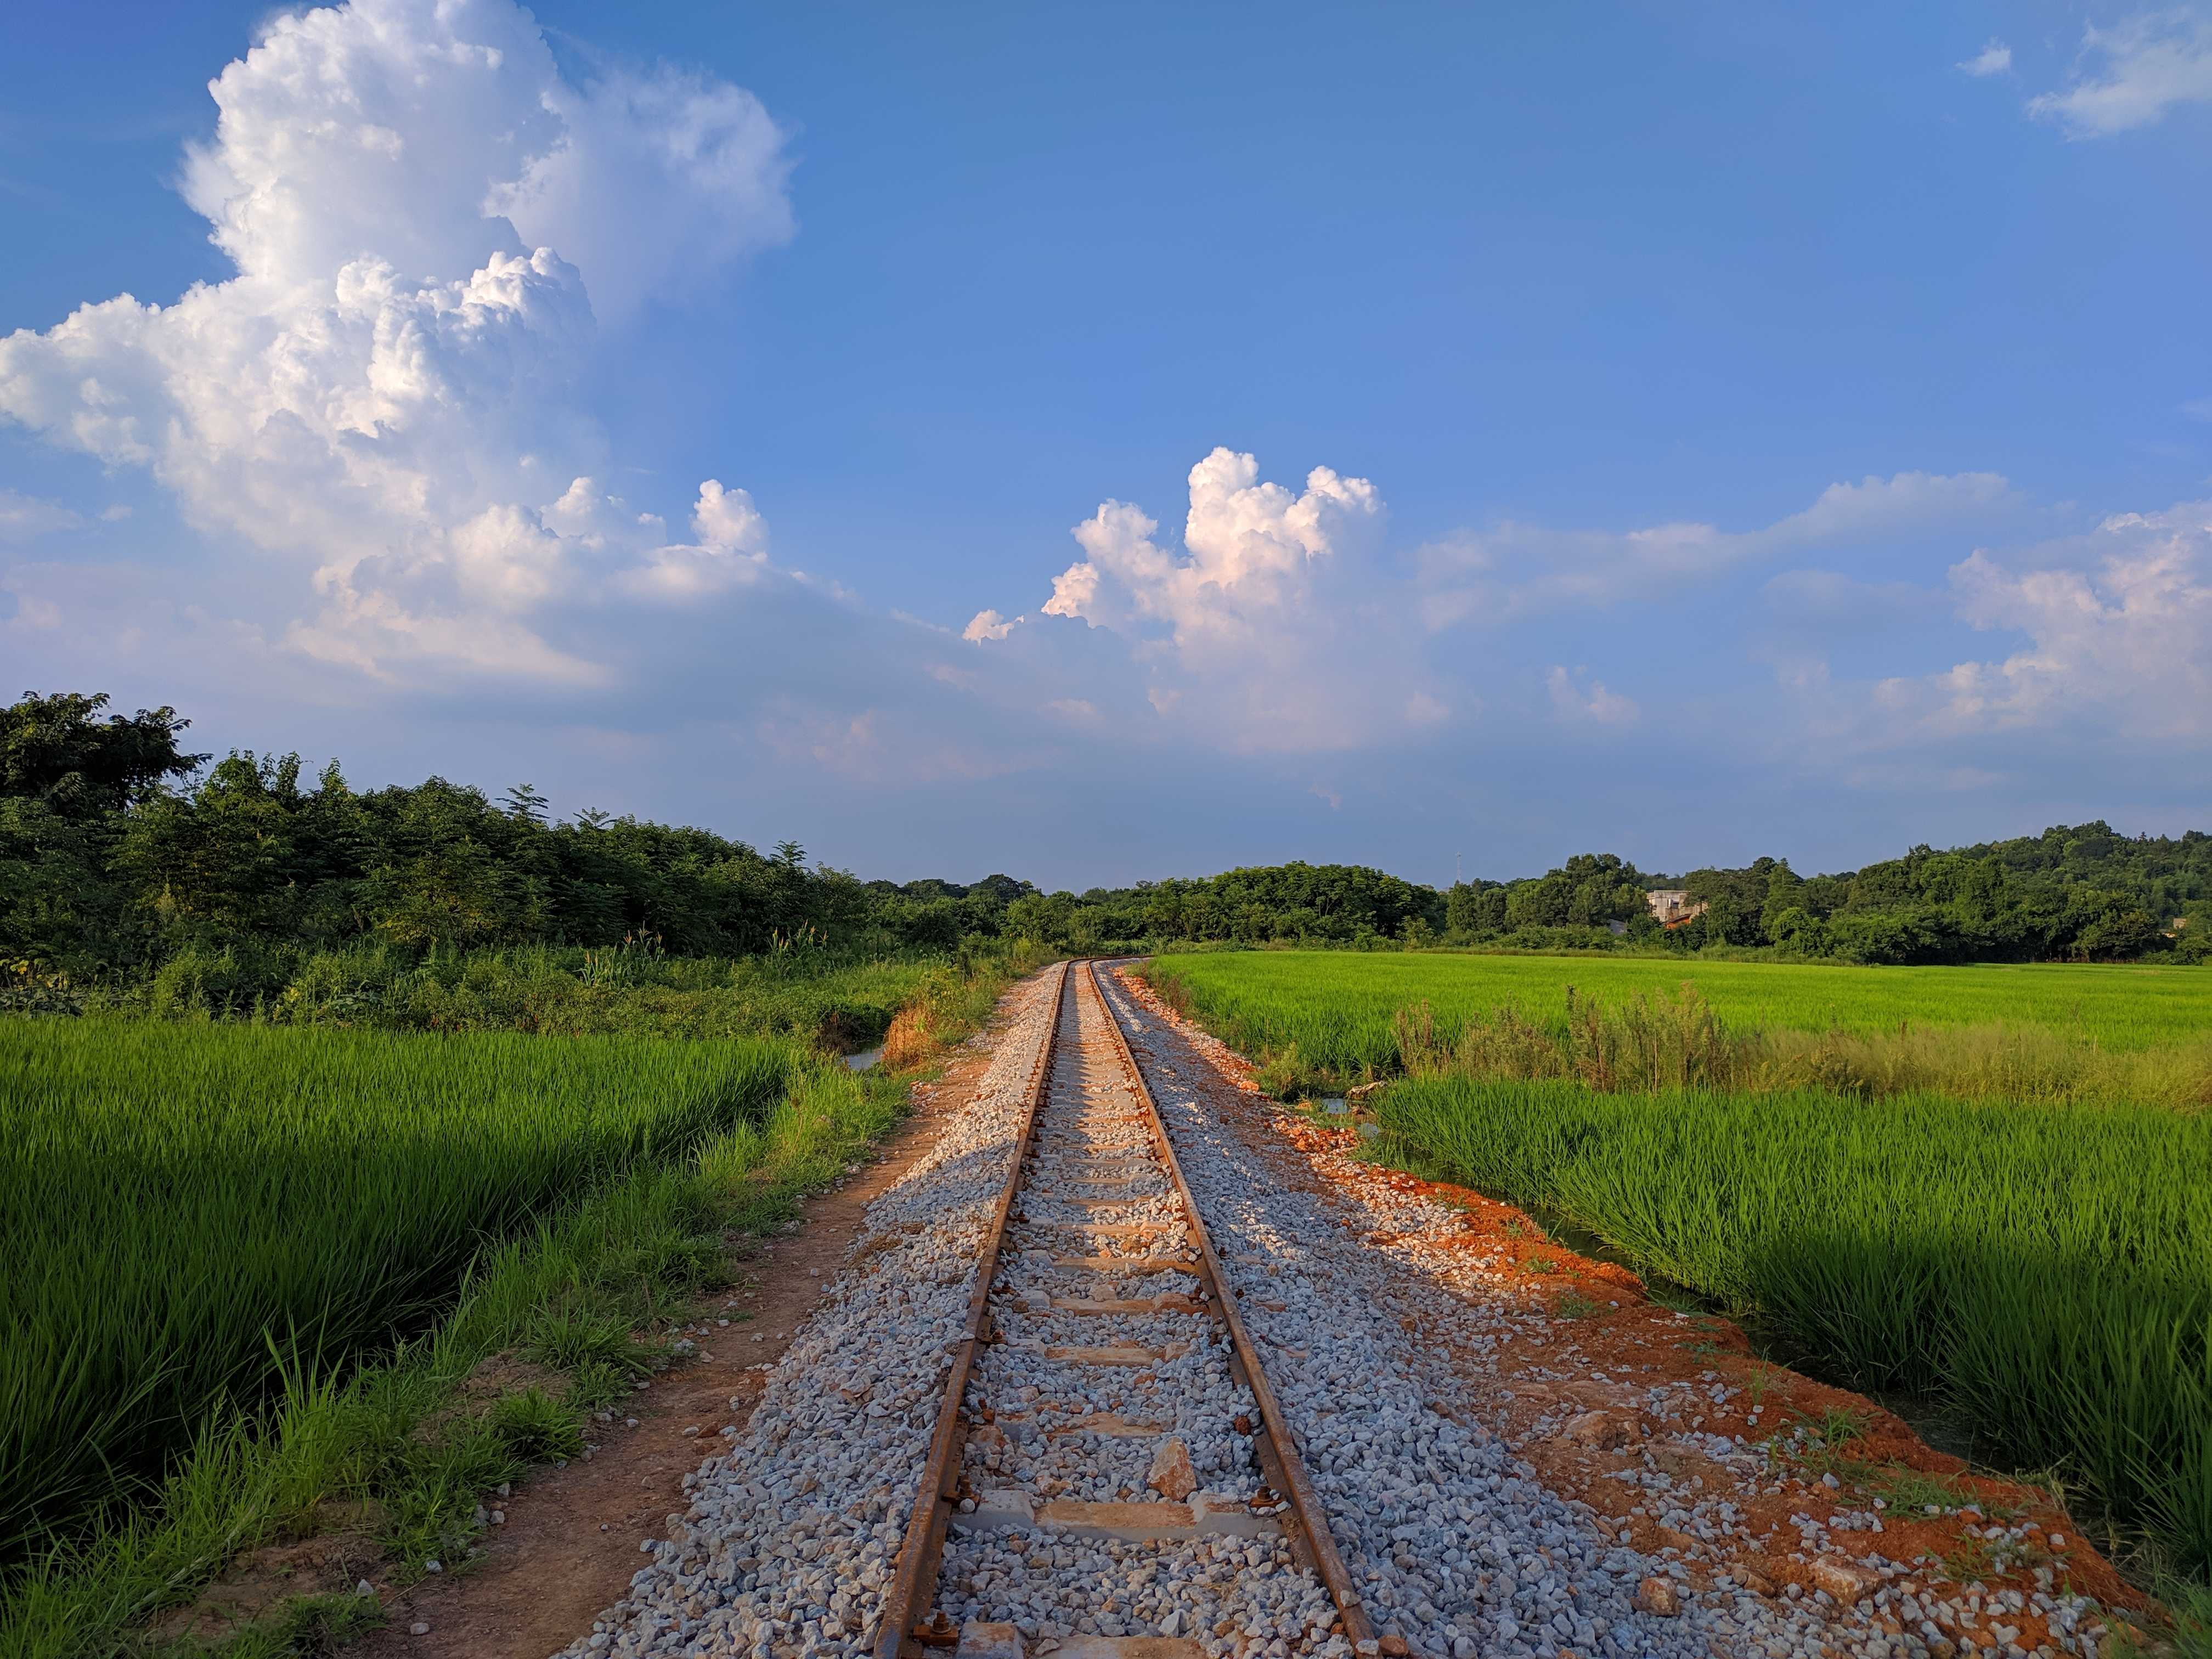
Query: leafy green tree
[[2106, 926], [1883, 937], [1040, 917], [224, 860], [1796, 928], [1473, 909], [1784, 897], [59, 912], [55, 749]]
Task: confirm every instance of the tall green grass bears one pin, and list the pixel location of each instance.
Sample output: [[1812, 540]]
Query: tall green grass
[[569, 1292], [182, 1204], [1652, 1043], [2046, 1270]]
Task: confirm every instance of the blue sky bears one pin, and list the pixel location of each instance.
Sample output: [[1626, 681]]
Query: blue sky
[[1689, 432]]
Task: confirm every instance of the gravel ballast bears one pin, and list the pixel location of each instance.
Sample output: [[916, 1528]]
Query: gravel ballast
[[1145, 1435]]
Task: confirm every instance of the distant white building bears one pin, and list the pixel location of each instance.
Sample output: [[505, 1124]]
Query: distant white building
[[1673, 906]]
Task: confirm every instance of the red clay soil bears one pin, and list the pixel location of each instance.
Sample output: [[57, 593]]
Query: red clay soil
[[570, 1542], [1616, 1331]]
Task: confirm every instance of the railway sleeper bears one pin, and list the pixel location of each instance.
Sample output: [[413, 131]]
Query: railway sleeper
[[1104, 1439]]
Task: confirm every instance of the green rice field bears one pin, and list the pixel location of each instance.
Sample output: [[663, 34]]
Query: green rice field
[[1991, 1186], [2046, 1273], [1337, 1007], [181, 1206]]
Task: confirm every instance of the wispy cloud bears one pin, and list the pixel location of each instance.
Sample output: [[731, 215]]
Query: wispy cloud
[[2107, 672], [2133, 73], [1513, 571], [2127, 630], [23, 518]]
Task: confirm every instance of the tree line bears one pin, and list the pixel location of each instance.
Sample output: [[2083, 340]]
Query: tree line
[[119, 848], [2081, 893]]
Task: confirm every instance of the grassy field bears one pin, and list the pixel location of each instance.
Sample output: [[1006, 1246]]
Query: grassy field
[[263, 1250], [1989, 1185], [2057, 1031], [2042, 1270], [176, 1199]]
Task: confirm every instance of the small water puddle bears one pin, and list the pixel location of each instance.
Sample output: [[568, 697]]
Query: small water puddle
[[865, 1058]]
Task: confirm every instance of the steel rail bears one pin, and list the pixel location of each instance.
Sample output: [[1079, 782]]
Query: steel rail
[[916, 1582], [1275, 1442]]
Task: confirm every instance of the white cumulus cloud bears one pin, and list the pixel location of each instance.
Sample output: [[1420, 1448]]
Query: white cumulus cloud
[[657, 182], [1273, 627], [988, 625], [1250, 548], [1995, 59], [430, 226], [729, 548]]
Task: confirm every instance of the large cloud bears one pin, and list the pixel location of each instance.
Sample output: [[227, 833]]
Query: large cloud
[[1279, 625], [430, 226]]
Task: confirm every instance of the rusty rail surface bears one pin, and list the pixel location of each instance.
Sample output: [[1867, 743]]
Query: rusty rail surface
[[916, 1583], [1276, 1442]]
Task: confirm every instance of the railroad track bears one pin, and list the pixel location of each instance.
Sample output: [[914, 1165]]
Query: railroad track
[[1110, 1474]]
